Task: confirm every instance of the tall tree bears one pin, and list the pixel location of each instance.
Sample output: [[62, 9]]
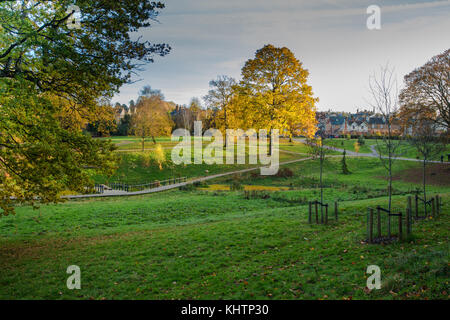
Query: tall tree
[[384, 97], [148, 92], [316, 147], [151, 119], [426, 94], [219, 98], [47, 68], [277, 84]]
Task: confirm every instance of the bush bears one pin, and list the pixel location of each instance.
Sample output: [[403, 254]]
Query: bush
[[285, 173], [236, 184], [187, 187], [361, 141]]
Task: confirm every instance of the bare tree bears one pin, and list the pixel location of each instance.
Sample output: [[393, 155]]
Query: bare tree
[[219, 97], [316, 147], [428, 143], [384, 94]]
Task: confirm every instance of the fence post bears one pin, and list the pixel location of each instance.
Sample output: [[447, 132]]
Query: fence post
[[437, 205], [321, 212], [317, 212], [370, 225], [400, 229], [433, 207], [326, 214], [379, 222], [409, 203], [417, 206], [408, 222], [336, 210], [309, 211]]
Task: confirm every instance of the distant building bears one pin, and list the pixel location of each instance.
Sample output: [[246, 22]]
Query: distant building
[[359, 123]]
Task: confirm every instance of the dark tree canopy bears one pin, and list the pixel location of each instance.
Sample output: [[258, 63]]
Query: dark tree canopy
[[53, 79]]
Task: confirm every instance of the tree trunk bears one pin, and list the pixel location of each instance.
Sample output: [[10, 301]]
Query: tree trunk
[[143, 140], [270, 142], [154, 140], [424, 186], [321, 182], [226, 136]]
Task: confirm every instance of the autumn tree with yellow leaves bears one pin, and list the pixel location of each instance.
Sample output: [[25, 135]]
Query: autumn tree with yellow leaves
[[274, 93], [151, 118]]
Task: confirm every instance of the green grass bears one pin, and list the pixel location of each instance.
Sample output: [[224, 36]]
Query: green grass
[[407, 150], [219, 245], [133, 169], [349, 144]]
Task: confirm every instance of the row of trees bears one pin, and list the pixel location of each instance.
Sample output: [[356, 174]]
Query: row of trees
[[272, 94]]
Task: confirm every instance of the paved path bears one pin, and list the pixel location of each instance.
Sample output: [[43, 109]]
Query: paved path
[[116, 193], [374, 154]]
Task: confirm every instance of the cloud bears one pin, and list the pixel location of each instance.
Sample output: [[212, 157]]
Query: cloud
[[212, 37]]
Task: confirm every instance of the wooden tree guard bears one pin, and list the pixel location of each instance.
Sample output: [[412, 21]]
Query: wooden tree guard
[[400, 229], [433, 207], [336, 210], [417, 206], [379, 222], [438, 204], [408, 221], [370, 225], [309, 211], [317, 213]]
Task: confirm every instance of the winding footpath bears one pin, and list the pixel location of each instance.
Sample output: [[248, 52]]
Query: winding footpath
[[373, 154], [117, 193]]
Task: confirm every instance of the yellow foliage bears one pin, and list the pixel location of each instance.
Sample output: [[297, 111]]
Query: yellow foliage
[[224, 187]]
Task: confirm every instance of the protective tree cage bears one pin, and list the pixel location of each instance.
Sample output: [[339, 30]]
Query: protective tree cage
[[319, 212], [386, 226]]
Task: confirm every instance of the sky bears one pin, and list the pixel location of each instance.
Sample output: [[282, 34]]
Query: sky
[[331, 39]]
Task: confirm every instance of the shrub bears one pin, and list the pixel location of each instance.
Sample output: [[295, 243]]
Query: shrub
[[285, 173], [344, 165], [236, 184], [187, 187], [361, 141]]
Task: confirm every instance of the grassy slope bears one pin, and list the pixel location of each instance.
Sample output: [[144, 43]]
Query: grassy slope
[[220, 245], [132, 168]]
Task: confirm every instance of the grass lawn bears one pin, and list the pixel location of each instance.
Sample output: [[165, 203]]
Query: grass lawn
[[349, 144], [406, 149], [142, 167], [202, 244]]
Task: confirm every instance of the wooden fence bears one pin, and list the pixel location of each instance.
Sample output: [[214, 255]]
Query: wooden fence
[[386, 225], [121, 186], [323, 218], [434, 205]]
